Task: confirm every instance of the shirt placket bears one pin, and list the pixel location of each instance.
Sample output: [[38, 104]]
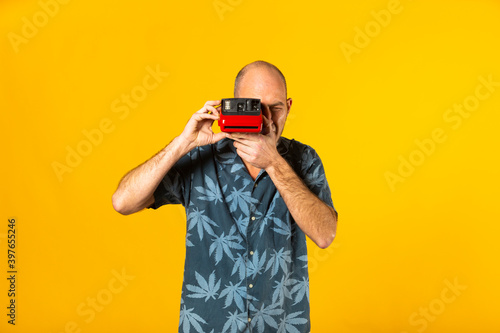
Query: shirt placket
[[251, 244]]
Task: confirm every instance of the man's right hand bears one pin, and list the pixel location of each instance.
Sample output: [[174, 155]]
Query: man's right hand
[[198, 131]]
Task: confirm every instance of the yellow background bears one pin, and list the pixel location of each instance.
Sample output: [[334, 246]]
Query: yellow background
[[396, 248]]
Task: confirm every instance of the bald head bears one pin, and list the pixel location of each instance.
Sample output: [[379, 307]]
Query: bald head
[[257, 66], [265, 81]]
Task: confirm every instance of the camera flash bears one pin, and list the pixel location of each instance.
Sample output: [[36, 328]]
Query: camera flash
[[227, 105]]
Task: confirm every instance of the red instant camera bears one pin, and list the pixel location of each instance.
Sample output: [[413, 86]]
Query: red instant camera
[[241, 115]]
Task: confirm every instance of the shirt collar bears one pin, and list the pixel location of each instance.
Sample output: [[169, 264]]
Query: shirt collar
[[283, 146]]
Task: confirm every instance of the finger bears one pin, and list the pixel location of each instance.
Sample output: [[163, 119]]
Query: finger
[[217, 137], [269, 126], [213, 103], [241, 135], [241, 142], [243, 148], [212, 110], [265, 128], [203, 116], [208, 109], [266, 121], [244, 155]]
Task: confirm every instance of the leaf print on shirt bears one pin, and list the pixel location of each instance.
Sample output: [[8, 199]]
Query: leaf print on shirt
[[235, 293], [304, 259], [236, 167], [226, 158], [203, 222], [281, 258], [246, 182], [188, 242], [301, 288], [281, 289], [239, 266], [264, 316], [256, 265], [242, 224], [205, 289], [223, 244], [211, 192], [309, 159], [282, 228], [314, 178], [188, 319], [269, 216], [235, 323], [287, 323], [240, 198]]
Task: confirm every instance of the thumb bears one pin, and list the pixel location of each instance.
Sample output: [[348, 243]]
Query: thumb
[[268, 125], [218, 136]]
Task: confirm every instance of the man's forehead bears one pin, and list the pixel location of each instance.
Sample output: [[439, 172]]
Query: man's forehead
[[267, 95], [262, 83]]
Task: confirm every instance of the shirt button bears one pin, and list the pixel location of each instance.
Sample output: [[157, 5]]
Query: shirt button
[[251, 253], [249, 319], [255, 186], [253, 218], [250, 285]]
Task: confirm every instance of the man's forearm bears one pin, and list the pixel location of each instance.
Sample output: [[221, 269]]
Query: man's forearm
[[136, 188], [316, 219]]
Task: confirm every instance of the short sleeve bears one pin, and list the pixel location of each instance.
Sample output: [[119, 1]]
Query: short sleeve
[[313, 174], [173, 187]]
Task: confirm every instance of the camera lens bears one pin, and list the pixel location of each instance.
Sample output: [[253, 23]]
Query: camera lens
[[240, 107]]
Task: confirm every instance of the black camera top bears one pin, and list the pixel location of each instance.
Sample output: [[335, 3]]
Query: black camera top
[[241, 106]]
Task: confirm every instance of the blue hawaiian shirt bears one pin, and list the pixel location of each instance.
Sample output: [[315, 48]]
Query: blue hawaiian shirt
[[246, 258]]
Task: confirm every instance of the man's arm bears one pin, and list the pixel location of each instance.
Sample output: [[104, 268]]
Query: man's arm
[[315, 218], [136, 189]]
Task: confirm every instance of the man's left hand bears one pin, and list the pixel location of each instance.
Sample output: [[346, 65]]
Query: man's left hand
[[258, 149]]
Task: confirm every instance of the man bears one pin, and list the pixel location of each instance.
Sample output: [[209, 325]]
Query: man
[[250, 199]]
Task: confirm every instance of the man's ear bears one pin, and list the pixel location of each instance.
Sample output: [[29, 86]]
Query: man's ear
[[288, 105]]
